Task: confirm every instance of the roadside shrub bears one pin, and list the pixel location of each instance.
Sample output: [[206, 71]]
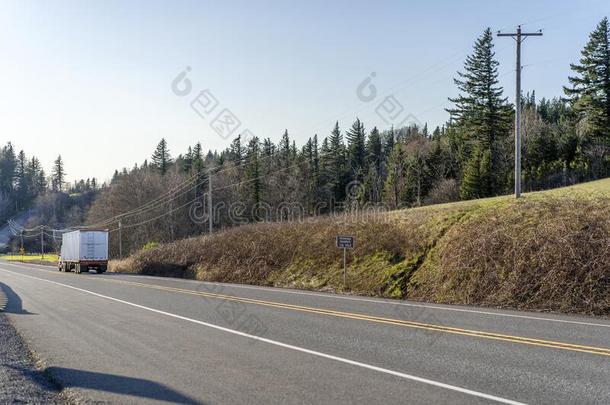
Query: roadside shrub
[[150, 245], [546, 254], [444, 191]]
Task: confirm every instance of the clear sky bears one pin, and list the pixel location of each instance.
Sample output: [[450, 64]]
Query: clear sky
[[93, 80]]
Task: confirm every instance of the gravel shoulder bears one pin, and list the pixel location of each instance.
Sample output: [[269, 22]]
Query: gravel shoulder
[[20, 381]]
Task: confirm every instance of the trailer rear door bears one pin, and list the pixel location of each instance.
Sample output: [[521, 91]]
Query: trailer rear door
[[94, 245]]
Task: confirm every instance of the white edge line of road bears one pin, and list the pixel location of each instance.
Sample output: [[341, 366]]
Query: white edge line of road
[[288, 346], [362, 299]]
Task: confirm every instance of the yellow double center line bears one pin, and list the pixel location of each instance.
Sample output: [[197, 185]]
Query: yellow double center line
[[388, 321], [370, 318]]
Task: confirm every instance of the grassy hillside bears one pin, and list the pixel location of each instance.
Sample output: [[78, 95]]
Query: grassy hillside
[[548, 251]]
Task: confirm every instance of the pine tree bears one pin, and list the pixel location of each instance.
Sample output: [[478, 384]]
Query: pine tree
[[336, 164], [58, 175], [374, 159], [253, 177], [197, 168], [316, 169], [187, 160], [590, 97], [22, 180], [472, 186], [33, 171], [236, 151], [197, 164], [394, 186], [356, 150], [268, 150], [284, 150], [374, 150], [161, 158], [481, 116], [436, 134], [8, 165], [41, 180]]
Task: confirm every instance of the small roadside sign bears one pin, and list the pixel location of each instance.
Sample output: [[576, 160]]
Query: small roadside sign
[[345, 242]]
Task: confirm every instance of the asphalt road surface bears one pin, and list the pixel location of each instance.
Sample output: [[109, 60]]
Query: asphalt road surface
[[136, 339]]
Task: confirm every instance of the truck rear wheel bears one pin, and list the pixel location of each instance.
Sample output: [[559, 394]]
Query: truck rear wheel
[[102, 269]]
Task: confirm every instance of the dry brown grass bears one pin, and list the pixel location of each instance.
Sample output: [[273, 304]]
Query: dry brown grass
[[548, 251], [550, 254], [300, 254]]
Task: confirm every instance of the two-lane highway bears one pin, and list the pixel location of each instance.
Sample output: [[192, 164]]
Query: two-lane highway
[[130, 339]]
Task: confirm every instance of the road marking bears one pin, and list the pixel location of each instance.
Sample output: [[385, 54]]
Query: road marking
[[377, 319], [390, 321], [357, 299], [288, 346]]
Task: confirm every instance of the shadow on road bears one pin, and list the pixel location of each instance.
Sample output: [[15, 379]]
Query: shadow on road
[[70, 378], [10, 302], [137, 387]]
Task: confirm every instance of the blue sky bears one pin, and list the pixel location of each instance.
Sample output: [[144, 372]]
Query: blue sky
[[92, 80]]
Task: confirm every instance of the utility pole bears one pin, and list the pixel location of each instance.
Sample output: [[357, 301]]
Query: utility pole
[[42, 243], [120, 239], [210, 217], [171, 216], [519, 37], [22, 251]]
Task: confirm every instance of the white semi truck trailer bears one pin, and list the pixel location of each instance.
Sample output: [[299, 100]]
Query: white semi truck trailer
[[84, 250]]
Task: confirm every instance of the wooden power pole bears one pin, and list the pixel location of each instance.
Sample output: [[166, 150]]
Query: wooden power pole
[[519, 37]]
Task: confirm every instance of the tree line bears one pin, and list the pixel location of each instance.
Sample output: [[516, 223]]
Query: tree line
[[51, 201], [565, 140]]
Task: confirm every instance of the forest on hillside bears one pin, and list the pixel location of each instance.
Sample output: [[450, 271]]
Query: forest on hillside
[[566, 140]]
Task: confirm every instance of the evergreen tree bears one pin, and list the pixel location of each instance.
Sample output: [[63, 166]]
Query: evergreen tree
[[315, 169], [284, 150], [58, 175], [481, 116], [590, 98], [236, 151], [436, 134], [197, 164], [187, 160], [388, 147], [374, 150], [374, 177], [336, 164], [197, 168], [161, 158], [356, 150], [471, 185], [394, 187], [22, 180], [8, 165], [33, 172], [253, 177], [267, 152]]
